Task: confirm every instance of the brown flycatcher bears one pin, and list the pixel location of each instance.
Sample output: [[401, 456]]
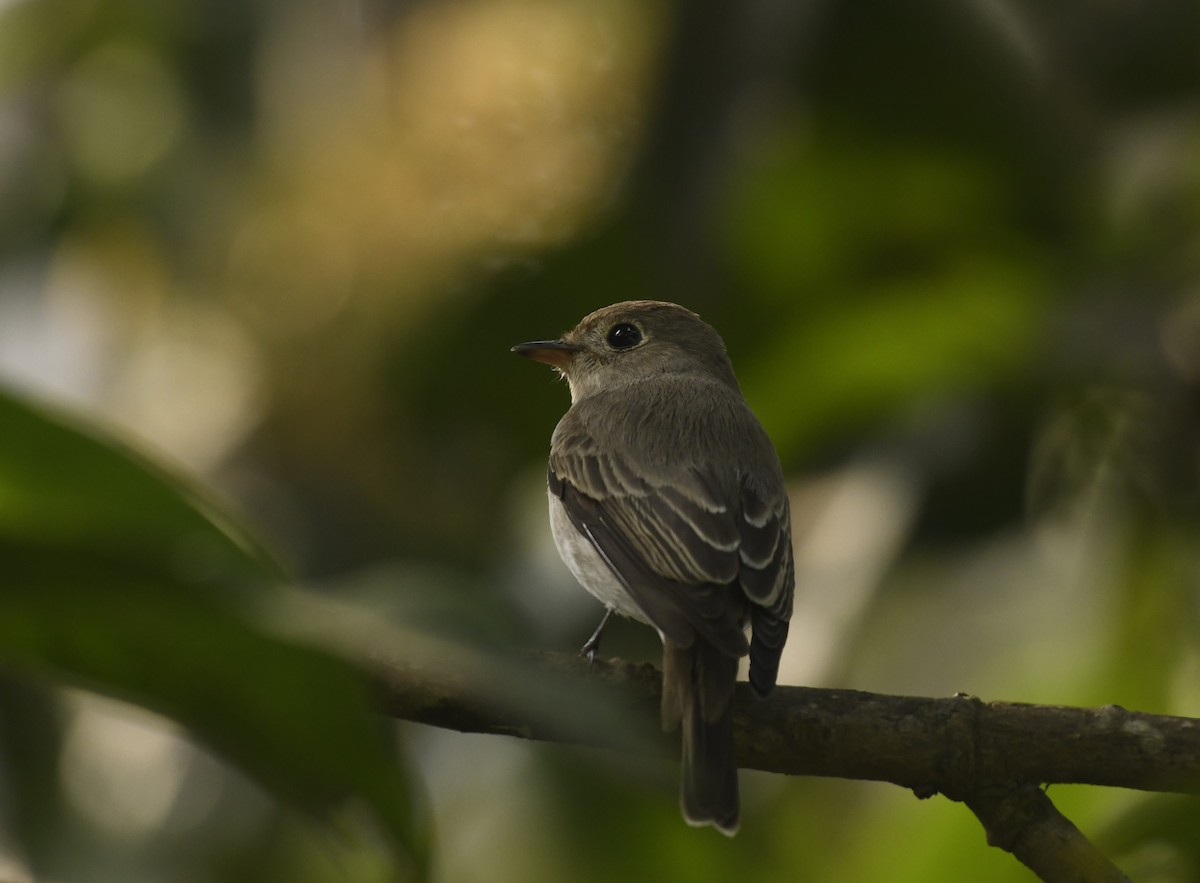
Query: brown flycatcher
[[667, 502]]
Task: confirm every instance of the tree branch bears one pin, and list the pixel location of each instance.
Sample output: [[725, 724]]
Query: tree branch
[[1021, 819], [989, 755]]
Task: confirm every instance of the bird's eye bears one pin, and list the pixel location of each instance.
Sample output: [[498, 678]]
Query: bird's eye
[[624, 336]]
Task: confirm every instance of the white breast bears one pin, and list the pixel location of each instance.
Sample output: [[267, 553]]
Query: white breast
[[588, 566]]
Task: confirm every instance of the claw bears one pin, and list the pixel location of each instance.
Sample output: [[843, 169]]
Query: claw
[[591, 647]]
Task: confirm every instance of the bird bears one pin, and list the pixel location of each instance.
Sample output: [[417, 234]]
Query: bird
[[668, 504]]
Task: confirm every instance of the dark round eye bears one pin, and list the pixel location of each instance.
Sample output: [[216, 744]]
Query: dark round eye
[[624, 336]]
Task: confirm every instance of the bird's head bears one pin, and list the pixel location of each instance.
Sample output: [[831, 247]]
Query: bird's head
[[633, 341]]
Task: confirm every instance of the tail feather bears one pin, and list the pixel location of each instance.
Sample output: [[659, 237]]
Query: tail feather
[[698, 693]]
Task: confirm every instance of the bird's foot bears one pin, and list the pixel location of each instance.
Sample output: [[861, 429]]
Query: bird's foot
[[591, 647]]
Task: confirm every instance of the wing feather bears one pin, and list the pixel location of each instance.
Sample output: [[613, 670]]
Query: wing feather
[[703, 546]]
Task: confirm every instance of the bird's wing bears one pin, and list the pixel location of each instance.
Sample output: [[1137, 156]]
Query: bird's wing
[[767, 577], [700, 544], [765, 551], [672, 541]]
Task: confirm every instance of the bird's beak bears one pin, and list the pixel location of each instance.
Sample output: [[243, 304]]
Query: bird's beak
[[552, 352]]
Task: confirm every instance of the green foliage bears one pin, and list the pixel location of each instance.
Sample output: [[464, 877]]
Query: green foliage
[[926, 340], [70, 493], [117, 580]]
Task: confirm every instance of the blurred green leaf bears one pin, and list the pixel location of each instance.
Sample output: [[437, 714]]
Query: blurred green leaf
[[811, 213], [1159, 832], [101, 591], [67, 487], [969, 326]]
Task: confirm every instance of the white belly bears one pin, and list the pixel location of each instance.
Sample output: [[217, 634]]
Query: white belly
[[588, 566]]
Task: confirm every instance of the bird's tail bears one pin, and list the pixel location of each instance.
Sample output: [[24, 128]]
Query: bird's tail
[[698, 684]]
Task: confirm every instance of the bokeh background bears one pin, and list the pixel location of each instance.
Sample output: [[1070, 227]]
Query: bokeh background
[[264, 260]]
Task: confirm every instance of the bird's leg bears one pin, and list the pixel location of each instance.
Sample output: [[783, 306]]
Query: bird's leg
[[592, 645]]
